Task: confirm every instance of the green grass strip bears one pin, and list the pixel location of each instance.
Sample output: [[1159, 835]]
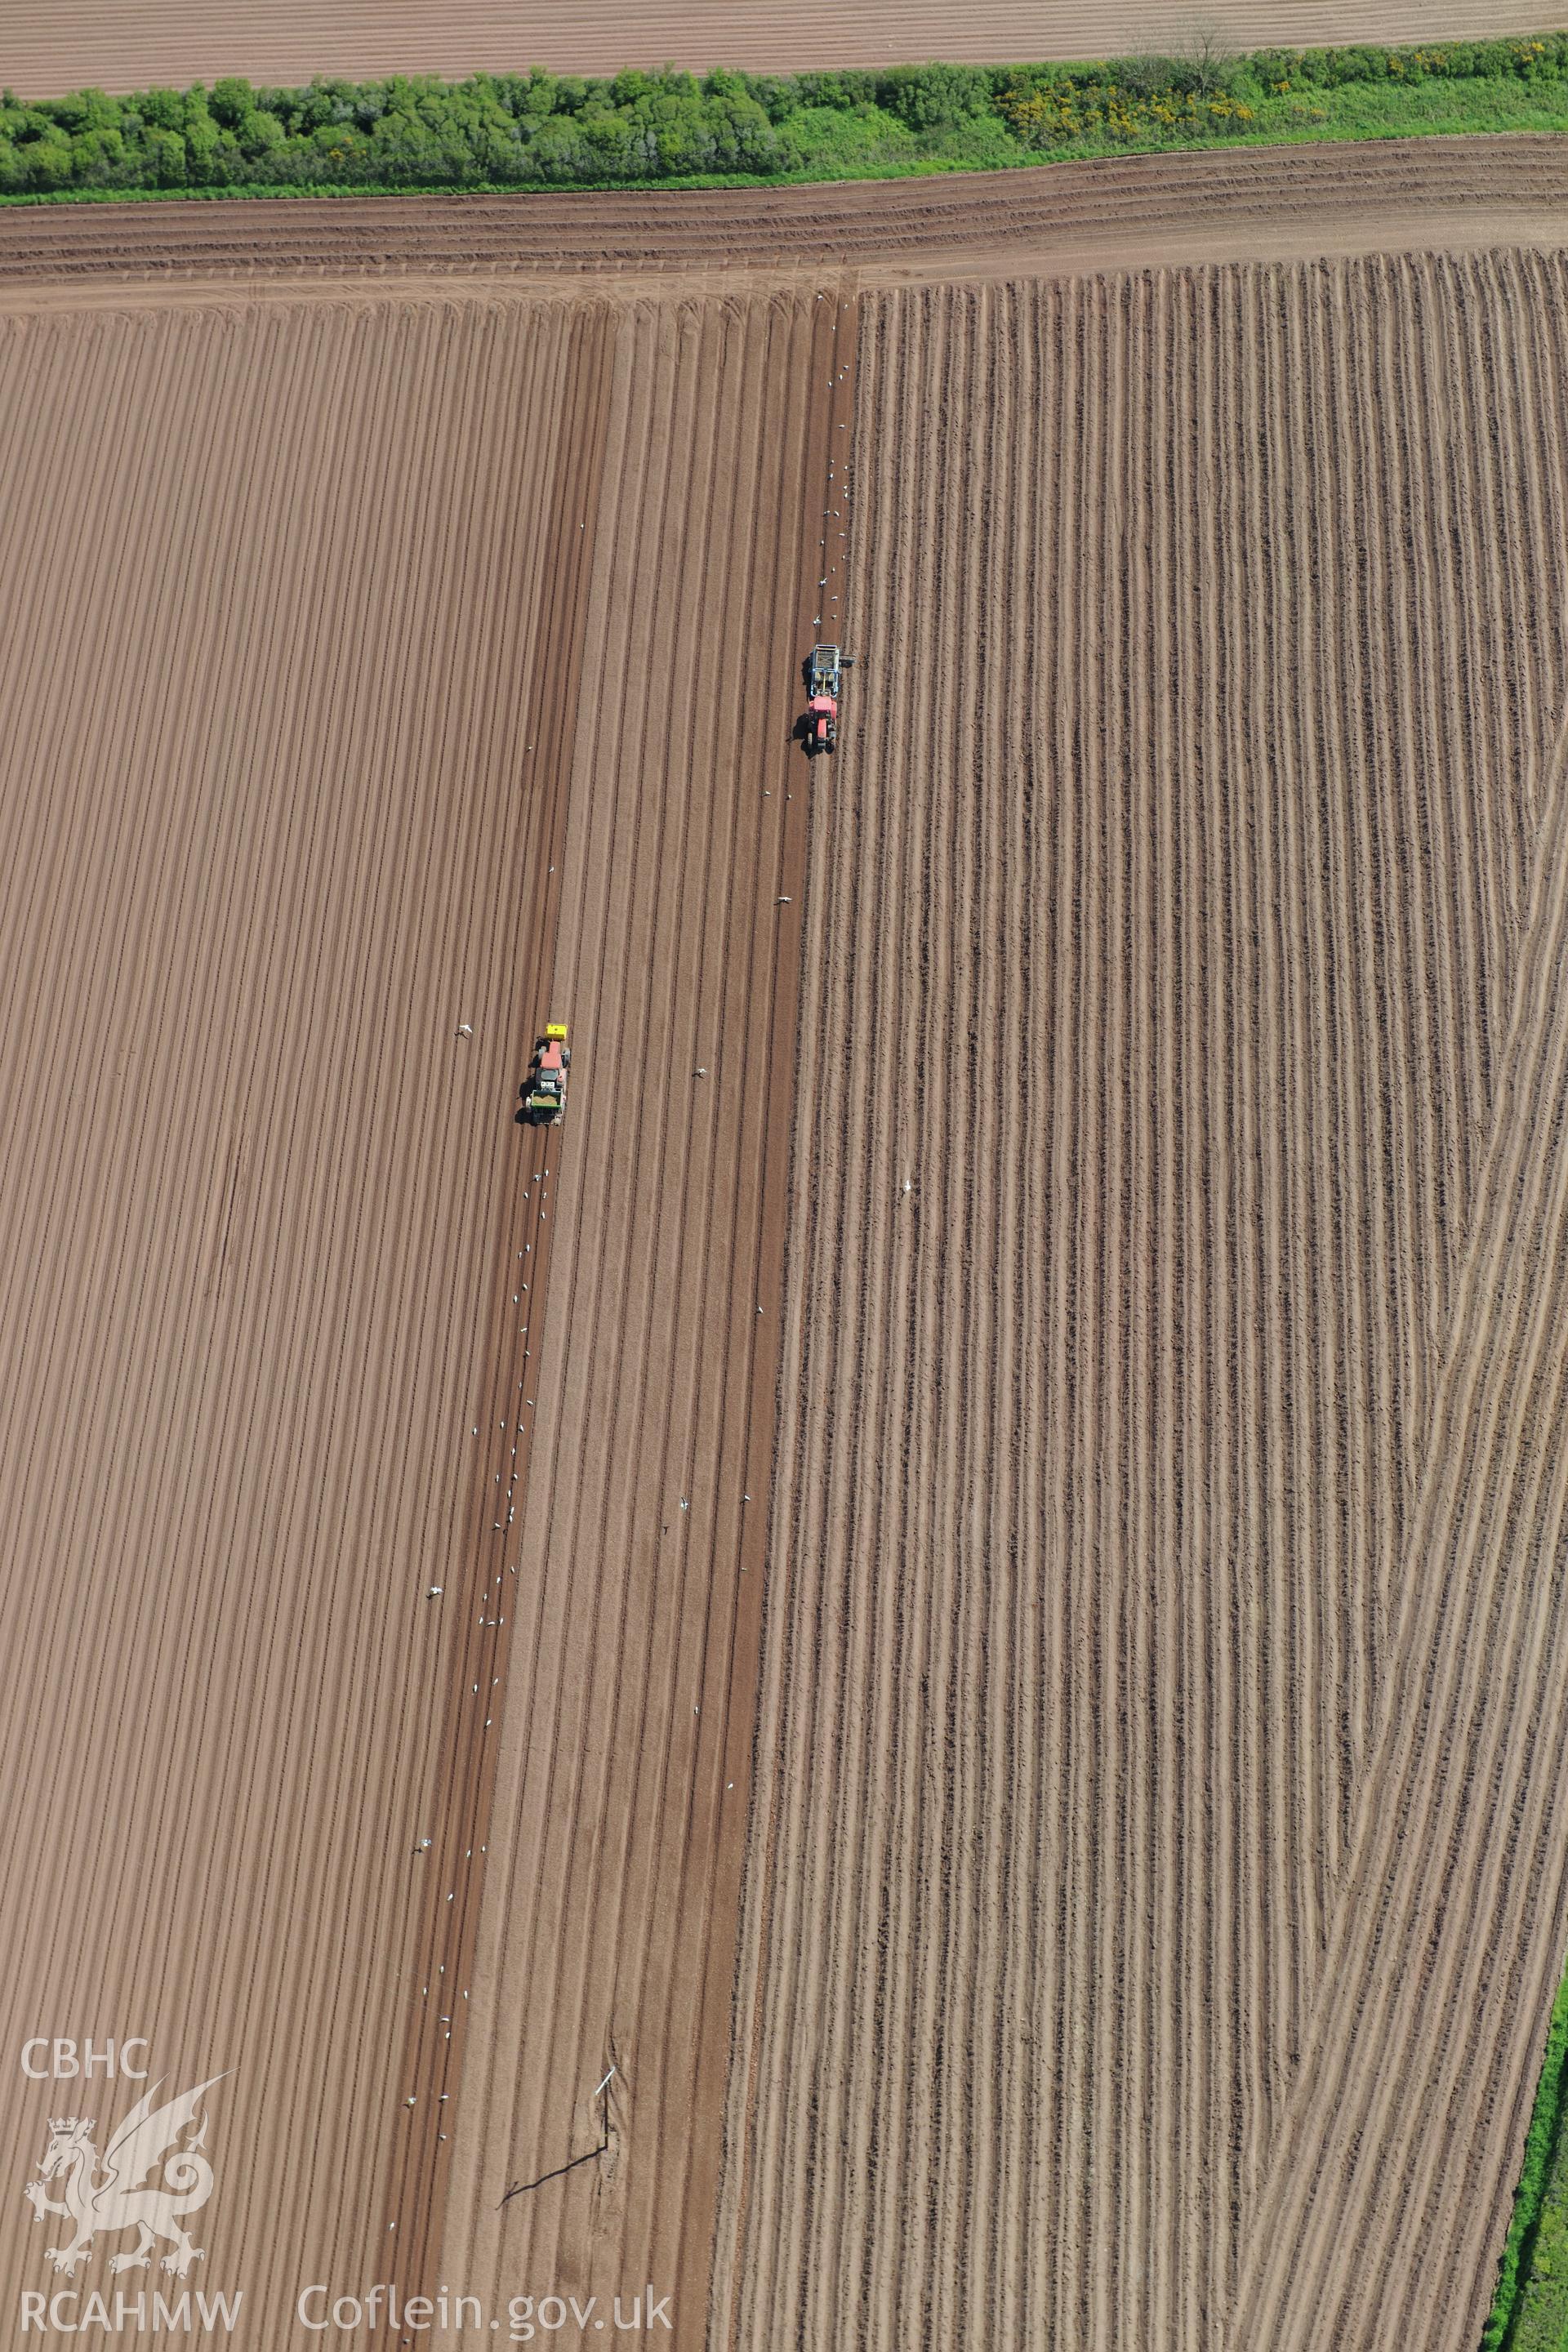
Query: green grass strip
[[1529, 2309], [525, 132]]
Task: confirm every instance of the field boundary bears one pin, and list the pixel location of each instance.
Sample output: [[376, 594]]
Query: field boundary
[[1541, 2146], [534, 133]]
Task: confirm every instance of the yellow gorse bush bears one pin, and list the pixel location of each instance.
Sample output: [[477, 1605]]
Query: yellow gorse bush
[[1046, 114]]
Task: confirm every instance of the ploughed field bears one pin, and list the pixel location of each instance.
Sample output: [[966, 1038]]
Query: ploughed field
[[1156, 1890], [1059, 220], [381, 673], [127, 44], [994, 1487]]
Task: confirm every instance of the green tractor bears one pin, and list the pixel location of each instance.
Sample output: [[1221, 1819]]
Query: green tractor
[[544, 1091]]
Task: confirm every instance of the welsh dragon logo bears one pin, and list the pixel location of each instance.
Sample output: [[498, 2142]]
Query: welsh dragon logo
[[109, 2193]]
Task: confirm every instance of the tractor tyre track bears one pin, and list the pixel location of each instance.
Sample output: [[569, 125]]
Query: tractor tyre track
[[820, 600], [607, 1937]]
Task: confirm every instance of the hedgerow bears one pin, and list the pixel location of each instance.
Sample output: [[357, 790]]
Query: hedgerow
[[544, 129], [409, 130]]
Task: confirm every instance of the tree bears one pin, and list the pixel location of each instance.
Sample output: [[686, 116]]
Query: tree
[[1207, 59], [231, 100]]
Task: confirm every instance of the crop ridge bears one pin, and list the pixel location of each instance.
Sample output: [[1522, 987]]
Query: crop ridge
[[621, 1781], [210, 1219], [1469, 1703], [1514, 372], [1069, 1635], [1127, 213], [1169, 1335], [123, 44]]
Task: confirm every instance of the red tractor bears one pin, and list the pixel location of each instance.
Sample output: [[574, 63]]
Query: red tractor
[[825, 671]]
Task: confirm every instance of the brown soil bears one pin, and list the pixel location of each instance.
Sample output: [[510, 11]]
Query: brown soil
[[265, 789], [126, 44], [1387, 195], [1149, 1507], [455, 661], [1169, 909], [1389, 2183], [624, 1782]]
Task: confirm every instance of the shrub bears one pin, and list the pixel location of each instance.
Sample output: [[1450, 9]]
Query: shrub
[[559, 152], [47, 162], [260, 133], [1148, 77], [163, 109], [170, 158], [923, 97], [230, 101]]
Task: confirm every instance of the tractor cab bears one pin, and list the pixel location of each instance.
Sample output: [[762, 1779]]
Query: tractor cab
[[825, 670], [544, 1092]]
